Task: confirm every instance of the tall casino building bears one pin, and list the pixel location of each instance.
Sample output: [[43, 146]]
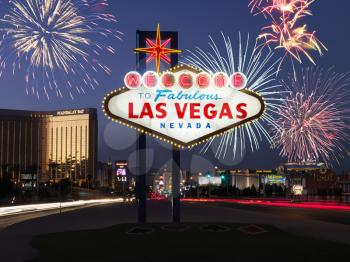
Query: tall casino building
[[52, 145]]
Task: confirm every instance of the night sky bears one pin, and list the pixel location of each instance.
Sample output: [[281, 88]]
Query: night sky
[[194, 20]]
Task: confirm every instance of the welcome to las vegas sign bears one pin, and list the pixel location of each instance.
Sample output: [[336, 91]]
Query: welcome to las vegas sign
[[183, 106]]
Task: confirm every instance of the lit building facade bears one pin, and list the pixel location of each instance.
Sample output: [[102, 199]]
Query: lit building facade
[[53, 145], [345, 184], [242, 179], [105, 175], [315, 178]]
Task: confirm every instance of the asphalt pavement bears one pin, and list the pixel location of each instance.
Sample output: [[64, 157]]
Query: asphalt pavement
[[15, 240]]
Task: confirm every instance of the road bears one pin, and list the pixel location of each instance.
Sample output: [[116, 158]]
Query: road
[[329, 212], [15, 214], [320, 224], [337, 217]]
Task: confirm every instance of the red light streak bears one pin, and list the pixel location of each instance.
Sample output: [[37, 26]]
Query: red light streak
[[279, 203]]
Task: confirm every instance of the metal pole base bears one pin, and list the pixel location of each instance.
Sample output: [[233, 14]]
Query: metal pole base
[[176, 209], [176, 206]]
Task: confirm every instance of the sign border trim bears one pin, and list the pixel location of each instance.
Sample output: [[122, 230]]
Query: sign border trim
[[170, 140]]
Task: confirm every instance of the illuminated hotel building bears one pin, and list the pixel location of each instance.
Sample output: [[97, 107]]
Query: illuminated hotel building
[[54, 145]]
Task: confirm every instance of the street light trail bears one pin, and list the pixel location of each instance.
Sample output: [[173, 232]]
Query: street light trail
[[23, 209], [306, 205]]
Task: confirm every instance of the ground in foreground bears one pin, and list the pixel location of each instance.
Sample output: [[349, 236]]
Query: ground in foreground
[[185, 242]]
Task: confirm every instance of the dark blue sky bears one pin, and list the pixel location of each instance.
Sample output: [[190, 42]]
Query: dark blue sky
[[194, 20]]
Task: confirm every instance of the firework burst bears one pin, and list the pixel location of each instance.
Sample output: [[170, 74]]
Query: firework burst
[[313, 121], [295, 41], [255, 5], [56, 43], [285, 32], [260, 67], [284, 9]]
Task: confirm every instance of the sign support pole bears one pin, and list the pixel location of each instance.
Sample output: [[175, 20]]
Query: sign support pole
[[141, 179], [176, 153], [141, 144], [176, 185], [141, 193]]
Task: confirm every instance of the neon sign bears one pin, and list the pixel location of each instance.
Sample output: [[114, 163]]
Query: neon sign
[[150, 79], [184, 106], [158, 51]]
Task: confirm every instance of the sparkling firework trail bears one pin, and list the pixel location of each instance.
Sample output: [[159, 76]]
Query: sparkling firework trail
[[56, 43], [285, 31], [313, 121], [284, 9], [260, 68], [255, 5]]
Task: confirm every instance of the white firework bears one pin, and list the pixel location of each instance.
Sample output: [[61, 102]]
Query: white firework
[[260, 68], [56, 43]]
